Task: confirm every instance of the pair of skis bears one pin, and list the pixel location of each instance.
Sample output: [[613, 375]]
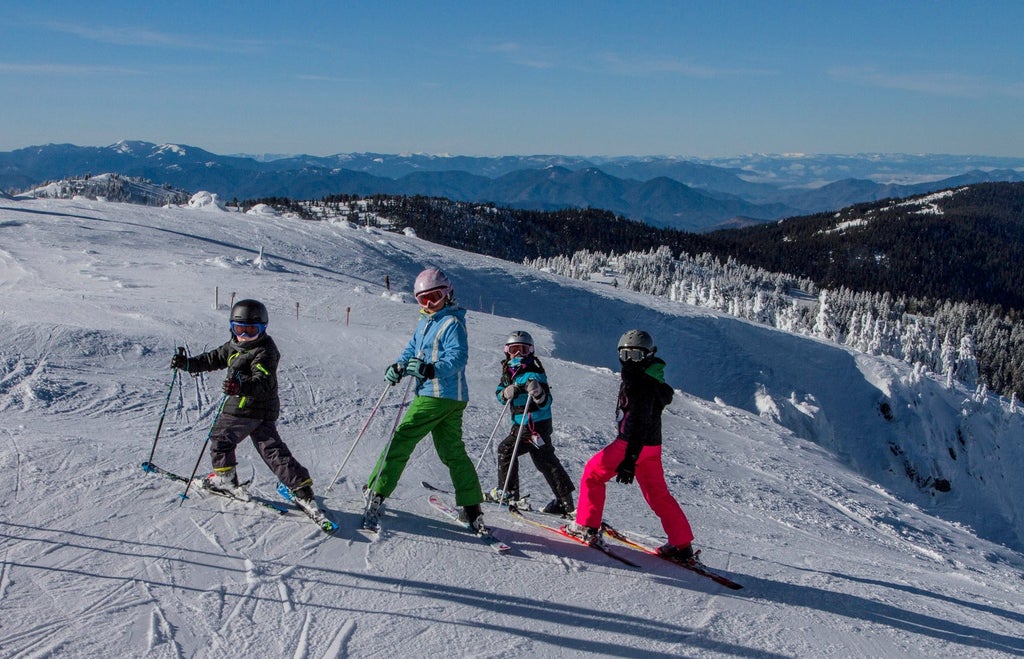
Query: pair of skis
[[314, 513], [693, 565], [450, 512], [561, 530]]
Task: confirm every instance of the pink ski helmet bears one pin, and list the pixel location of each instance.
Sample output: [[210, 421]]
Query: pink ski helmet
[[433, 290]]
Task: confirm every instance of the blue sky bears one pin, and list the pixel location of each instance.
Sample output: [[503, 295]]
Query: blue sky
[[699, 79]]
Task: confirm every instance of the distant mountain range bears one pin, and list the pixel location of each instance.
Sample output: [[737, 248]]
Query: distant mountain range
[[687, 194]]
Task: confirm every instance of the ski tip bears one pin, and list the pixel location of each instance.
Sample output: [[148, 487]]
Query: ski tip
[[147, 466]]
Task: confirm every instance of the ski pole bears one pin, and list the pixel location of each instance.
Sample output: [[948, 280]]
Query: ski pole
[[174, 377], [391, 437], [220, 408], [491, 438], [500, 417], [513, 463], [362, 430]]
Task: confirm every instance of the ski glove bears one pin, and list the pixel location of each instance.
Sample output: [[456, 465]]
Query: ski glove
[[536, 391], [626, 470], [179, 360], [232, 387], [394, 373], [509, 392], [419, 369]]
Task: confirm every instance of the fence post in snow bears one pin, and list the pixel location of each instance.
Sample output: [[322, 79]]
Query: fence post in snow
[[348, 310]]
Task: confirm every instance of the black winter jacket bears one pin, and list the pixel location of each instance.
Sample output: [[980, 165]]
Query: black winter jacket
[[643, 395], [254, 365]]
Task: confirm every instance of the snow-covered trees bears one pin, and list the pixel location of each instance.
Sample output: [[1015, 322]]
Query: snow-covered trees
[[943, 342]]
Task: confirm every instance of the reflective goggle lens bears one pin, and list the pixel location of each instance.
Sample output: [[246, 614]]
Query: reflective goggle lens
[[247, 330], [431, 299], [632, 354], [518, 349]]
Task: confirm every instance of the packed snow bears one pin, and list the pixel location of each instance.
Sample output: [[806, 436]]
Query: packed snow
[[99, 558]]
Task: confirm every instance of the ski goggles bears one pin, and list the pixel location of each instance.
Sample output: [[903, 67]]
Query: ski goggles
[[432, 300], [633, 354], [247, 331], [518, 349]]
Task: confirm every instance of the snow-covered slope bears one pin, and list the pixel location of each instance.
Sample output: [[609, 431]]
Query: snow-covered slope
[[97, 558]]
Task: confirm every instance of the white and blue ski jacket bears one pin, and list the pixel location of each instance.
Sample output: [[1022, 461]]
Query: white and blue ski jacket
[[441, 339]]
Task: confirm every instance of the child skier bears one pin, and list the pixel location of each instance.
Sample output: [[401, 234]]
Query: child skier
[[636, 450], [252, 404], [523, 381], [436, 356]]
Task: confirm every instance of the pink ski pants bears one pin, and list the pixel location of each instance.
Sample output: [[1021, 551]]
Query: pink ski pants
[[650, 475]]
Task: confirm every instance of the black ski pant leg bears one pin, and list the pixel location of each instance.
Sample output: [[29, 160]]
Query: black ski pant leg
[[506, 463], [277, 456], [551, 468], [228, 433]]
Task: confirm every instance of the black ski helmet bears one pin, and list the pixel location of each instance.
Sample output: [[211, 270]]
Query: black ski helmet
[[638, 339], [249, 312]]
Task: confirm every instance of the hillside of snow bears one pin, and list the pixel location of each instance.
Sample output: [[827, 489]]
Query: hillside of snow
[[804, 467]]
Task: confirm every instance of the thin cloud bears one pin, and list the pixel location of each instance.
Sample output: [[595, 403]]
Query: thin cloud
[[612, 63], [313, 77], [517, 54], [688, 67], [933, 84], [133, 36], [65, 69]]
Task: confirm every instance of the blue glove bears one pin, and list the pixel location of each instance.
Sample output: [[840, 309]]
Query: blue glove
[[394, 373], [419, 369]]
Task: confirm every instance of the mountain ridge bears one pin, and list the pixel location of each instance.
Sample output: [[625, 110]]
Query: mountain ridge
[[697, 196]]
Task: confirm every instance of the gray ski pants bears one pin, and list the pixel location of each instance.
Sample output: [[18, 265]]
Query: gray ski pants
[[230, 431]]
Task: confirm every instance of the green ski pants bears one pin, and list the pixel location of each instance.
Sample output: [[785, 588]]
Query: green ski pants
[[442, 419]]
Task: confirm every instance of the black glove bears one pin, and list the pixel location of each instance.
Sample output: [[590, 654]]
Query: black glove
[[232, 387], [419, 369], [179, 360], [626, 470]]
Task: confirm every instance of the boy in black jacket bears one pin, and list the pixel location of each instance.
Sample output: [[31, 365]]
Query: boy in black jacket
[[252, 404]]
